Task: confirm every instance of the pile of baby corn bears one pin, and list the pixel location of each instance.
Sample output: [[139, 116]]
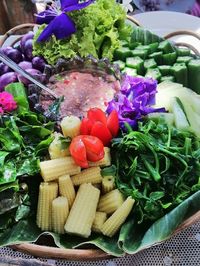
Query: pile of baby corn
[[76, 201]]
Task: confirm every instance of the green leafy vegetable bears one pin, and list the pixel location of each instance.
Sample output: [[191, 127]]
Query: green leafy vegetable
[[100, 27], [158, 166], [19, 93]]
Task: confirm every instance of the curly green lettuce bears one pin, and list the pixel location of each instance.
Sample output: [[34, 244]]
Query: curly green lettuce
[[100, 27]]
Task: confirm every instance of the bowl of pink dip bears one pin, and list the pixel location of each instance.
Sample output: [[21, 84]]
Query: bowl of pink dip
[[84, 84]]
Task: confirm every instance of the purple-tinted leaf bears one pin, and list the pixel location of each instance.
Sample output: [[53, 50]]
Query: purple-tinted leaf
[[62, 26], [45, 17], [77, 6]]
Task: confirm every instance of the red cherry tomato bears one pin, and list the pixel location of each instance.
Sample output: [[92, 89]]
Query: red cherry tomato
[[86, 126], [86, 148], [113, 123], [78, 152], [94, 148], [102, 132], [96, 114]]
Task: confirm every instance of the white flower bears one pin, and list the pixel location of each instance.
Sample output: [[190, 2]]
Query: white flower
[[127, 5]]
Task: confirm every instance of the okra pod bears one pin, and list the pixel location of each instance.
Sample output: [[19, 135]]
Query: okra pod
[[164, 70], [169, 59], [122, 53], [136, 63], [168, 78], [120, 63], [150, 63], [194, 75], [130, 71], [180, 72], [184, 59], [153, 73], [158, 57], [166, 47]]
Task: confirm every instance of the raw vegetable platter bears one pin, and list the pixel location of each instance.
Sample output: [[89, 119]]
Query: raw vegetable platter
[[113, 162]]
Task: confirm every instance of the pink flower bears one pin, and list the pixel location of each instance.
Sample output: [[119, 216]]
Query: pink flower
[[7, 102], [1, 110]]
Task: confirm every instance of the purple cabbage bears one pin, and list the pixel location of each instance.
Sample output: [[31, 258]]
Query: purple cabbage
[[135, 100]]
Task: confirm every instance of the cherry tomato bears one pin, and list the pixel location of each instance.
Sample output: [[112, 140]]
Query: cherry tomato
[[96, 114], [78, 152], [86, 148], [102, 132], [94, 148], [86, 126], [113, 123]]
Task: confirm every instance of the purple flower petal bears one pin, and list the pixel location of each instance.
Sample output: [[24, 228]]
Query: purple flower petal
[[135, 100], [66, 3], [77, 6], [62, 26], [45, 17]]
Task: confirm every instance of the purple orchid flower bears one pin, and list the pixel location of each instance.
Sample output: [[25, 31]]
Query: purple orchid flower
[[59, 23]]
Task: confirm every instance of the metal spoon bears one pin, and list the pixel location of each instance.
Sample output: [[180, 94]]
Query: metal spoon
[[6, 60]]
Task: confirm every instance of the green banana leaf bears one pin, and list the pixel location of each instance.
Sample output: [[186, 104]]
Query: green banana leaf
[[131, 239]]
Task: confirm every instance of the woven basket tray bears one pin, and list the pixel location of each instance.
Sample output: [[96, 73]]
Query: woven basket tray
[[46, 251]]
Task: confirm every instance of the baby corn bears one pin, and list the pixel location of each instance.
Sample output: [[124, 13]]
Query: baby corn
[[82, 213]]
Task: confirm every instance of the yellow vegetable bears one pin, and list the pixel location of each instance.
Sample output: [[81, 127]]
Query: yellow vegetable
[[115, 221], [108, 184], [47, 193], [66, 188], [70, 126], [60, 211], [90, 175], [99, 220], [82, 213], [56, 149], [111, 201], [52, 169]]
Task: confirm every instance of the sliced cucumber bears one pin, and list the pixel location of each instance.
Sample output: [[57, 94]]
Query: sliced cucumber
[[181, 121], [168, 118], [193, 118]]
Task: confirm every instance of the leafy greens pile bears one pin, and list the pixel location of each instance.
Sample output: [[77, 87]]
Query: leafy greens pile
[[159, 166], [24, 139], [100, 27]]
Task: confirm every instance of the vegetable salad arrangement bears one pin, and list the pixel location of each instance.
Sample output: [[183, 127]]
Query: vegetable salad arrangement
[[121, 177]]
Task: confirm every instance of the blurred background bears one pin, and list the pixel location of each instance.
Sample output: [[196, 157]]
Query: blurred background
[[15, 12]]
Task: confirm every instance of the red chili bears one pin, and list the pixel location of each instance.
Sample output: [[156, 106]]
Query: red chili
[[97, 124], [86, 148]]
